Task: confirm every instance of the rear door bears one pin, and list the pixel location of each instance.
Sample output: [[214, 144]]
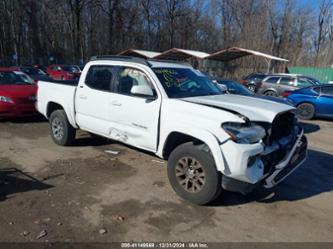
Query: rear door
[[134, 117], [93, 100]]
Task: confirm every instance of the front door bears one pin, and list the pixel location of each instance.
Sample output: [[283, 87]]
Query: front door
[[286, 84], [135, 117]]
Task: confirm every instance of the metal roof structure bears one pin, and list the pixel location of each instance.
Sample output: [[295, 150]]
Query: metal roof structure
[[236, 52], [181, 54], [140, 53]]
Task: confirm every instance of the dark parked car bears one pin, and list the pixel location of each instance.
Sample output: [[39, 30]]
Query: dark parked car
[[276, 85], [234, 87], [253, 81], [34, 73], [313, 101], [41, 67]]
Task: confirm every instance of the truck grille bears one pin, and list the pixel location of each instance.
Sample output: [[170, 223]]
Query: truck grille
[[282, 126]]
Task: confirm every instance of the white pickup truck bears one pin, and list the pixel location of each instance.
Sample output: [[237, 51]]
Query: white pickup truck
[[212, 141]]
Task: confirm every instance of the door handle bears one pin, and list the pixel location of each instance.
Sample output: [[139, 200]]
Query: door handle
[[83, 96], [115, 103]]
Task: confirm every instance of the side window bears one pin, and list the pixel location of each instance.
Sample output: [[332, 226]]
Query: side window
[[302, 82], [99, 77], [317, 90], [287, 81], [327, 90], [272, 80], [130, 79]]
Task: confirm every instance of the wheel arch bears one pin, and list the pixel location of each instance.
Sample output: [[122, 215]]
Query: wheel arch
[[51, 107], [177, 137], [270, 90]]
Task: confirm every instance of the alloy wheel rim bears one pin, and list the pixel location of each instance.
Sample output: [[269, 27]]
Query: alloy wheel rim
[[190, 174], [57, 129], [305, 110]]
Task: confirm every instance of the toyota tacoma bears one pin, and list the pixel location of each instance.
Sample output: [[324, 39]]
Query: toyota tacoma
[[211, 141]]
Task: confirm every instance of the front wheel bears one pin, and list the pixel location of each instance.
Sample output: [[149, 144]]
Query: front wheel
[[193, 175], [62, 132]]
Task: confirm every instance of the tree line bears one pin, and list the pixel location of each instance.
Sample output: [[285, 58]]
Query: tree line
[[71, 31]]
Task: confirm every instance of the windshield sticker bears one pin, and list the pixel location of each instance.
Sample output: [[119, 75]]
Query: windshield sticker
[[169, 76]]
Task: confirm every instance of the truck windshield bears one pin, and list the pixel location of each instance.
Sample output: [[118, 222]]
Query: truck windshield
[[185, 82], [11, 78]]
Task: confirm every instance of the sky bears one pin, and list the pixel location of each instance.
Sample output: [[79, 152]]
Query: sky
[[309, 3]]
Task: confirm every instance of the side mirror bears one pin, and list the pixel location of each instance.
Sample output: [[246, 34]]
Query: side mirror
[[143, 91]]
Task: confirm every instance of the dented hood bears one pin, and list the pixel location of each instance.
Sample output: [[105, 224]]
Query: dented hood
[[255, 109]]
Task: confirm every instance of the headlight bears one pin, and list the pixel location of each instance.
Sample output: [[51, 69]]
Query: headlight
[[244, 133], [6, 99]]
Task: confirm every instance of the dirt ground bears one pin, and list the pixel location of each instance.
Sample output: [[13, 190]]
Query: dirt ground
[[81, 193]]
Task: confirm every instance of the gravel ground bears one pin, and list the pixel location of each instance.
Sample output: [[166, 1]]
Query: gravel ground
[[81, 193]]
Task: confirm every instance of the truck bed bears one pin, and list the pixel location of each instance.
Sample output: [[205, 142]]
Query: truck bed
[[57, 92]]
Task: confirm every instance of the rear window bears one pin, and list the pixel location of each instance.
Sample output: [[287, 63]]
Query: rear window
[[99, 77], [260, 77], [255, 77], [32, 71], [327, 90]]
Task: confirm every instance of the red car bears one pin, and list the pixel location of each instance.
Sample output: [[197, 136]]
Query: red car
[[64, 72], [17, 94]]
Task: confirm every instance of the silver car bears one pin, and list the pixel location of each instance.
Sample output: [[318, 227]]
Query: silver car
[[276, 85]]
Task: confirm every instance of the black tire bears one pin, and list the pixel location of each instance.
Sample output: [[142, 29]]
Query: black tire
[[306, 111], [62, 132], [271, 93], [251, 87], [210, 189]]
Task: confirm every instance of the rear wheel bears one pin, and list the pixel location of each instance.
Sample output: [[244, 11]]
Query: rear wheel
[[305, 111], [193, 175], [62, 132], [271, 93]]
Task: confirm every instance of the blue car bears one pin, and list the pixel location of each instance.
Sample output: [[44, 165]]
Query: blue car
[[313, 101]]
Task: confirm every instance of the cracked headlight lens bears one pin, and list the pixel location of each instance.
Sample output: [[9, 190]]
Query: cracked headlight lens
[[244, 133]]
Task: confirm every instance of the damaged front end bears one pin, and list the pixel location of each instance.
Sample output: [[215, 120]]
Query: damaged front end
[[285, 149], [281, 151]]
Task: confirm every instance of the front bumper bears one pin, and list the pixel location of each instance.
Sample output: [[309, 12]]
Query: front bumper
[[17, 110], [265, 172]]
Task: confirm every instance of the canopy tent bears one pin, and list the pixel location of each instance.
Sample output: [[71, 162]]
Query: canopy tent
[[181, 54], [236, 52], [140, 53]]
